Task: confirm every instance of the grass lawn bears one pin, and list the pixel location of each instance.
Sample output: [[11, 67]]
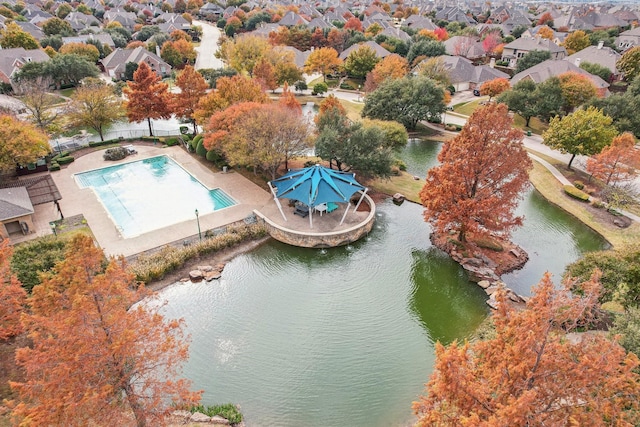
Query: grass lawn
[[467, 108], [404, 183], [551, 189], [536, 125], [68, 92]]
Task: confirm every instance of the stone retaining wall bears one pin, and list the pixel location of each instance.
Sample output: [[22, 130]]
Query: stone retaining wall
[[321, 240]]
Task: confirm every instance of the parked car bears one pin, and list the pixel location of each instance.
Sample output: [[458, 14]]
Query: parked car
[[476, 92]]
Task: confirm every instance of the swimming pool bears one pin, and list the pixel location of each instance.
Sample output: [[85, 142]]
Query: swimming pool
[[149, 194]]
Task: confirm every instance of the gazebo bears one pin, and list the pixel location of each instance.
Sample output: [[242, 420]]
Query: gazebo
[[316, 185]]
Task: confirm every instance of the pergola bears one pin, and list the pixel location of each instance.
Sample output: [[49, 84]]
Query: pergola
[[316, 185]]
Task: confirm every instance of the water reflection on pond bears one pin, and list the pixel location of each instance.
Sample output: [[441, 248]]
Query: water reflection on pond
[[304, 337]]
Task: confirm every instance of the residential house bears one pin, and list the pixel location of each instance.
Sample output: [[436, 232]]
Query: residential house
[[520, 47], [299, 57], [319, 23], [11, 60], [628, 39], [291, 19], [396, 33], [115, 63], [466, 46], [126, 19], [417, 22], [463, 75], [32, 29], [104, 38], [551, 68], [210, 11], [455, 14], [79, 21], [601, 55], [379, 50]]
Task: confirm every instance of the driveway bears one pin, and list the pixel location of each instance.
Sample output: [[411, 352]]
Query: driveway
[[208, 47]]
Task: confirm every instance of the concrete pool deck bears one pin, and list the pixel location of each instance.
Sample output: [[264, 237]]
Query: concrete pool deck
[[77, 201]]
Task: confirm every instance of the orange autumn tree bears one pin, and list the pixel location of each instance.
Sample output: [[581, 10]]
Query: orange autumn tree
[[288, 100], [192, 87], [223, 122], [392, 66], [12, 295], [147, 96], [477, 186], [494, 87], [324, 60], [265, 73], [229, 91], [576, 89], [99, 356], [531, 373], [613, 164]]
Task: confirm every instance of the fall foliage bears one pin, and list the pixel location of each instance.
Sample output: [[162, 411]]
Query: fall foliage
[[12, 295], [229, 91], [244, 53], [222, 123], [192, 87], [22, 143], [576, 89], [613, 164], [392, 66], [576, 41], [531, 373], [494, 87], [324, 60], [95, 106], [98, 354], [483, 170], [147, 96]]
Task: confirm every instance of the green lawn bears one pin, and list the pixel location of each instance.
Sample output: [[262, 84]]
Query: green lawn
[[68, 92], [536, 125], [467, 108], [404, 183]]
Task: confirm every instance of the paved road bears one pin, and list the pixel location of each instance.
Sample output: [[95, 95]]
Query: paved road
[[208, 47]]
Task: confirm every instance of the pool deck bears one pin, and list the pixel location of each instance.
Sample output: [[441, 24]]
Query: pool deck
[[77, 201]]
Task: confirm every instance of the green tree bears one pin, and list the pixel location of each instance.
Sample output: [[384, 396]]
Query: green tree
[[147, 32], [597, 70], [70, 69], [532, 58], [55, 25], [129, 69], [320, 88], [354, 146], [627, 326], [407, 100], [54, 41], [425, 48], [360, 61], [584, 132], [549, 99], [629, 63], [14, 36], [620, 269], [623, 108], [96, 106]]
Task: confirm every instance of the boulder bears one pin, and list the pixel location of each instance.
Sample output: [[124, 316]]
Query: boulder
[[492, 302], [619, 223], [181, 414], [195, 275], [217, 419], [198, 417], [398, 198], [212, 275], [184, 279], [220, 266], [515, 253], [484, 284], [204, 268], [472, 261], [416, 177]]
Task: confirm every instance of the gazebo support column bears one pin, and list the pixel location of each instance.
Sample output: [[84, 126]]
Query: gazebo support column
[[275, 198]]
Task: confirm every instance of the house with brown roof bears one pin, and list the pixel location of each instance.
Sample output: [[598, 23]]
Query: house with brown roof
[[115, 63], [550, 68], [11, 60], [379, 50], [601, 55], [520, 47]]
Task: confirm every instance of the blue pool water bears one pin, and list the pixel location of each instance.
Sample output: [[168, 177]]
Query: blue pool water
[[149, 194]]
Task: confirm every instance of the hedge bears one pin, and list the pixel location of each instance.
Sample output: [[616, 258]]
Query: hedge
[[576, 193], [170, 142], [54, 166], [101, 143], [65, 160]]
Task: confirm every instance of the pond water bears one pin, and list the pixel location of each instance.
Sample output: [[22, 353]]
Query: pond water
[[307, 337]]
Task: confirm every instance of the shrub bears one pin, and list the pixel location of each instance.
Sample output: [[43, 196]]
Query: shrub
[[456, 242], [115, 153], [200, 150], [32, 258], [213, 156], [170, 142], [579, 185], [227, 410], [150, 138], [575, 193], [101, 143], [395, 170], [400, 164], [346, 86], [597, 204], [54, 166], [65, 160], [148, 268], [487, 243]]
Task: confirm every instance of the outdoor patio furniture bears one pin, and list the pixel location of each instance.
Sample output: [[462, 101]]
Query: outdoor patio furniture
[[301, 210], [331, 207], [321, 208]]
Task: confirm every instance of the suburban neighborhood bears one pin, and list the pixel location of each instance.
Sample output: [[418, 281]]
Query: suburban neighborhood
[[366, 213]]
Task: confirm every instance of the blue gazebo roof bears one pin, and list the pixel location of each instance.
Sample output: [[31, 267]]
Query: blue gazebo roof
[[316, 185]]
